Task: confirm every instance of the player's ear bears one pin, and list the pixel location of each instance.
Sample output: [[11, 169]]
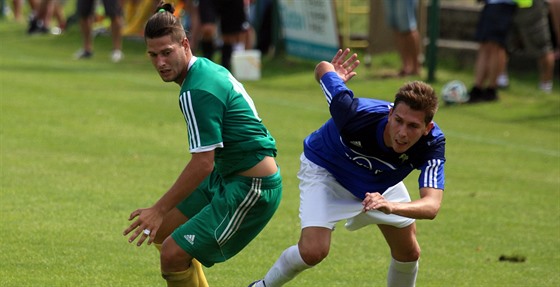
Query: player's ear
[[185, 43], [429, 127]]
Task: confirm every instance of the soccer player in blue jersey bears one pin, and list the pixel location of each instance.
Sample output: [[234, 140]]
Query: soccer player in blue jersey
[[352, 169]]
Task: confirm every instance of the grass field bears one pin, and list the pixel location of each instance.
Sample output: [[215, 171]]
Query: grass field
[[84, 143]]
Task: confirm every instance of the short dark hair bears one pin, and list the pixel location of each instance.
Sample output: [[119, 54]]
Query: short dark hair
[[164, 23], [419, 96]]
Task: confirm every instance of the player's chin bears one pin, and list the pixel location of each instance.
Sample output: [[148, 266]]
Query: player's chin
[[167, 76], [401, 148], [167, 79]]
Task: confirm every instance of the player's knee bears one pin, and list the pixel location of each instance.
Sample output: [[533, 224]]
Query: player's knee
[[166, 258], [408, 255], [314, 255], [170, 259], [414, 254]]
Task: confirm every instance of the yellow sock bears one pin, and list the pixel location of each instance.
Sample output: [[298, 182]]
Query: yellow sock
[[197, 266], [200, 273], [185, 278]]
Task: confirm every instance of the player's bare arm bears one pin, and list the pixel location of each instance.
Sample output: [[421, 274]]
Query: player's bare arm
[[427, 207], [343, 66], [148, 220]]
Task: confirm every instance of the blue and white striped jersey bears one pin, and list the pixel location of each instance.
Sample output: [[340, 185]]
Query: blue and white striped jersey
[[350, 145]]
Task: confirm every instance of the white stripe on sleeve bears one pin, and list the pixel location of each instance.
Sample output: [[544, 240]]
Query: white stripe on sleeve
[[326, 92], [190, 118], [431, 173]]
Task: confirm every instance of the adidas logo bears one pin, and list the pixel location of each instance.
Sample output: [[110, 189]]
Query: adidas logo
[[189, 238]]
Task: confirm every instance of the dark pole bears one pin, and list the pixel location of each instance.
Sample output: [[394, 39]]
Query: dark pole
[[2, 8]]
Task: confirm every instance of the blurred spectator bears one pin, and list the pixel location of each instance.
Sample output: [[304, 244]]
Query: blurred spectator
[[192, 15], [233, 22], [554, 9], [247, 40], [113, 10], [401, 17], [493, 26], [41, 20], [531, 35], [18, 8], [261, 16]]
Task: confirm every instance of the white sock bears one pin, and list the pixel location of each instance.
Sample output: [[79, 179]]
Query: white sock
[[402, 273], [288, 266]]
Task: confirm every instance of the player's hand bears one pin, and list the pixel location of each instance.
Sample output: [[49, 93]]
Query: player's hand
[[146, 225], [343, 66], [376, 201]]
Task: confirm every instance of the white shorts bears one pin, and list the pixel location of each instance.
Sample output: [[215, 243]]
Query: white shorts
[[324, 202]]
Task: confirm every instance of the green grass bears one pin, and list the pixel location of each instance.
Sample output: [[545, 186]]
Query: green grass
[[84, 143]]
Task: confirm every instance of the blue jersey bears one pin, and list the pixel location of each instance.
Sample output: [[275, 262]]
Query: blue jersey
[[350, 145]]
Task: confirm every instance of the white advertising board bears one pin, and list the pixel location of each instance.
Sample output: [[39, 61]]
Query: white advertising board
[[309, 28]]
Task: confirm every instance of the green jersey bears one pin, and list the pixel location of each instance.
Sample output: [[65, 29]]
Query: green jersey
[[221, 116]]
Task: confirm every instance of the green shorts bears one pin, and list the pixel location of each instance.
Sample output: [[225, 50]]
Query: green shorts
[[226, 214]]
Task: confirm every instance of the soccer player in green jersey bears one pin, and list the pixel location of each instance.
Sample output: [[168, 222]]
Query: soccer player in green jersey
[[231, 186]]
